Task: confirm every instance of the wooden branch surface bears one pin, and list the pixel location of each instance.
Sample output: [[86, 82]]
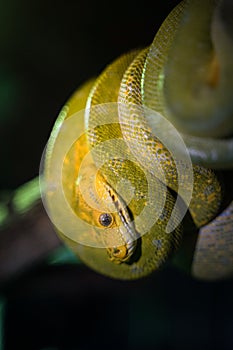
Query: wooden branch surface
[[25, 242]]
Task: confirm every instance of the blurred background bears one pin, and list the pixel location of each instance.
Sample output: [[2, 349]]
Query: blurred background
[[47, 49]]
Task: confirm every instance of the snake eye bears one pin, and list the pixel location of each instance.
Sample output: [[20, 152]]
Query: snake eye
[[105, 219]]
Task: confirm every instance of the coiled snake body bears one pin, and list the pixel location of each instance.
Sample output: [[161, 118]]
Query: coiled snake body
[[133, 198]]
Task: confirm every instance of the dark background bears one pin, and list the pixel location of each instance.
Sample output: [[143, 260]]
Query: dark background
[[47, 49]]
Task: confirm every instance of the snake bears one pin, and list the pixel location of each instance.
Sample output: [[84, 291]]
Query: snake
[[137, 170]]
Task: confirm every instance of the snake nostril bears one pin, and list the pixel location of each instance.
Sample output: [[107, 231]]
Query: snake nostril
[[120, 252]]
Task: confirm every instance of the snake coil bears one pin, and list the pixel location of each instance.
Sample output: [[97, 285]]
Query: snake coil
[[137, 168]]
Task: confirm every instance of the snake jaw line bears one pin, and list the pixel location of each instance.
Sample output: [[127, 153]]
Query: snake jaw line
[[128, 233]]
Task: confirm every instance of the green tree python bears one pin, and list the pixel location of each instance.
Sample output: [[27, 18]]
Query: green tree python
[[137, 170]]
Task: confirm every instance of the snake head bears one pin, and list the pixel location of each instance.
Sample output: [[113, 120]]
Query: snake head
[[98, 204]]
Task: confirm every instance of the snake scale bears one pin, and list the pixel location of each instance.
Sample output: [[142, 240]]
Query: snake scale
[[137, 171]]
